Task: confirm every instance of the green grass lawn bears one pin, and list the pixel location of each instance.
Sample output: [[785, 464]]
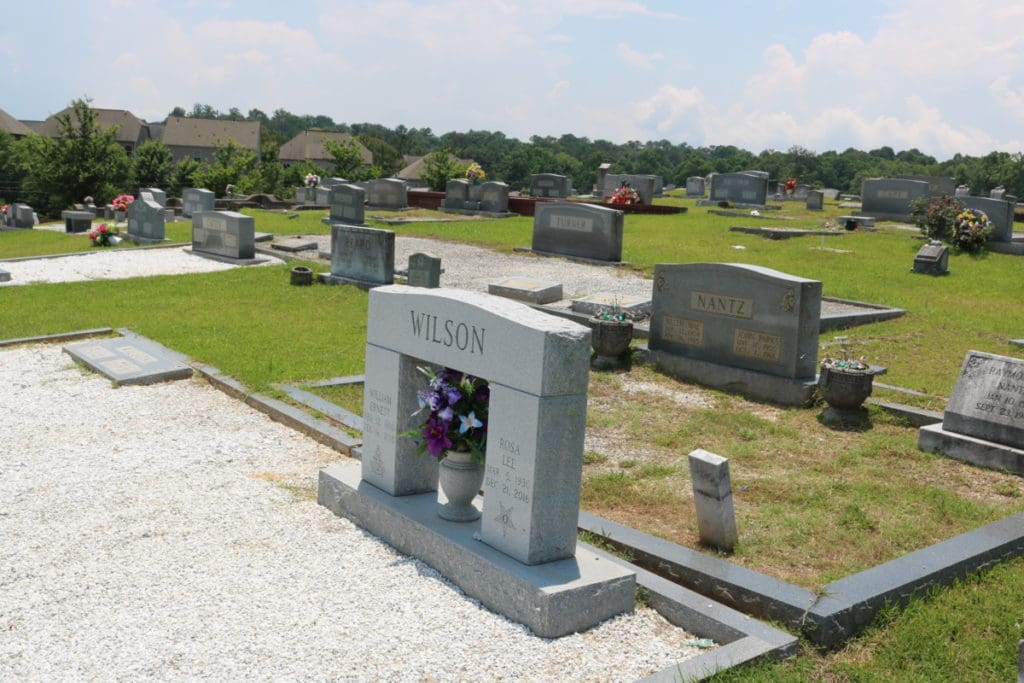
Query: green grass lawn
[[819, 503]]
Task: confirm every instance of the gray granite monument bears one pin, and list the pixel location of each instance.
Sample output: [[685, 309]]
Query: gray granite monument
[[712, 498], [157, 195], [424, 270], [695, 186], [550, 185], [361, 256], [146, 220], [747, 187], [347, 204], [890, 198], [224, 234], [196, 200], [387, 193], [999, 211], [578, 230], [526, 564], [815, 200]]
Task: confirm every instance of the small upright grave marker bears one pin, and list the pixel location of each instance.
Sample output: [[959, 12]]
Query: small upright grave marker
[[21, 216], [712, 497], [815, 200], [424, 270], [932, 259], [77, 221], [695, 186]]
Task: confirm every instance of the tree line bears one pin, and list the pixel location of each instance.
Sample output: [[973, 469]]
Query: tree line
[[51, 174]]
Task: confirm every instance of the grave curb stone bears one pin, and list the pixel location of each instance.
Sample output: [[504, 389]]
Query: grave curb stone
[[543, 293], [934, 439]]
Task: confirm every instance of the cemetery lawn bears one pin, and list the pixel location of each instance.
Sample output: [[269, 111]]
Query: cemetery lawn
[[814, 502]]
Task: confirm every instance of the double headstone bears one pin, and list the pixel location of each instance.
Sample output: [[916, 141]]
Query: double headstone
[[999, 211], [387, 193], [146, 220], [196, 200], [580, 230], [361, 256], [737, 326], [695, 186], [346, 203], [747, 187], [224, 234], [983, 423], [890, 198], [550, 185]]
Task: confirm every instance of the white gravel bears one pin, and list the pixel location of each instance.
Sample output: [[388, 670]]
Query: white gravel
[[162, 532]]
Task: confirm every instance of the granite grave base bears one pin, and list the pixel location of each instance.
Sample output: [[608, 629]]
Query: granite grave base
[[934, 439], [226, 259], [552, 599], [577, 259], [527, 289], [759, 386], [328, 279]]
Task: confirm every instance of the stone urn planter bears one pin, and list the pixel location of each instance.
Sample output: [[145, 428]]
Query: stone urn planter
[[301, 275], [845, 384], [460, 478], [610, 340]]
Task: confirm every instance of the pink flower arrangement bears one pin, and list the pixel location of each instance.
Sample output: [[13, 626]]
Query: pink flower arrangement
[[103, 236], [121, 202], [625, 195]]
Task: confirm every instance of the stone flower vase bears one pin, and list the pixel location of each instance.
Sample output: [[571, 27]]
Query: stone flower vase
[[845, 389], [301, 275], [610, 339], [460, 478]]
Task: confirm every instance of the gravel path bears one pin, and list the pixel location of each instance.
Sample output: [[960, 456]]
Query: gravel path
[[167, 532]]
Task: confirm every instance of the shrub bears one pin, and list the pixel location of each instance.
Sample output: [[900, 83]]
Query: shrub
[[937, 216]]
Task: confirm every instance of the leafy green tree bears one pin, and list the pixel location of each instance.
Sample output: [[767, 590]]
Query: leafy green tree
[[84, 160], [231, 164], [153, 164], [439, 167], [183, 176], [348, 159], [12, 171]]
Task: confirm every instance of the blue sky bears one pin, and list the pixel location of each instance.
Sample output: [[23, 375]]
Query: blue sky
[[938, 75]]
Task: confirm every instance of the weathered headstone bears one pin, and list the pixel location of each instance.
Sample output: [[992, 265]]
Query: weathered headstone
[[158, 195], [550, 185], [997, 193], [602, 173], [580, 230], [21, 216], [494, 197], [984, 419], [932, 259], [456, 194], [527, 289], [77, 221], [387, 193], [347, 204], [695, 186], [800, 191], [145, 220], [739, 188], [937, 185], [127, 360], [890, 198], [224, 234], [737, 326], [815, 200], [537, 366], [712, 498], [962, 191], [305, 195], [361, 256], [999, 211], [424, 270], [323, 196], [196, 200]]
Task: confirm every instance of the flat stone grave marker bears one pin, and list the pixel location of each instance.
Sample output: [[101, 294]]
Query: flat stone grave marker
[[195, 200], [890, 198], [527, 289], [580, 230], [293, 244], [146, 220], [528, 566], [984, 420], [593, 304], [424, 270], [224, 234], [361, 256], [127, 360], [737, 325]]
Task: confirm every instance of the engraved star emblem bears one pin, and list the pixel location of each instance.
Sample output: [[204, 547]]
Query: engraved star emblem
[[505, 520], [377, 463]]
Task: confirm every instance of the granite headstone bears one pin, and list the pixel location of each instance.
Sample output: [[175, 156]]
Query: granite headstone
[[347, 204], [739, 188], [424, 270], [364, 256], [145, 220], [580, 230], [890, 198], [387, 193], [550, 185], [225, 234], [196, 200]]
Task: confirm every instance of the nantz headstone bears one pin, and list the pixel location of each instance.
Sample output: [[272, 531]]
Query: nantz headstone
[[361, 256], [983, 423], [224, 234], [196, 200], [146, 220], [579, 230], [737, 326]]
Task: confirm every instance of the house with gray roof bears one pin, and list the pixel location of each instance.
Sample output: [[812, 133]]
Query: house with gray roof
[[13, 126], [309, 146], [131, 130], [198, 139]]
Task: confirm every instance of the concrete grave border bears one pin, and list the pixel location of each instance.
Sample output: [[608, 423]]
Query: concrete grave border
[[844, 607]]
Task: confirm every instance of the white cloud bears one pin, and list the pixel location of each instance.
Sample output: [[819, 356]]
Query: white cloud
[[637, 59]]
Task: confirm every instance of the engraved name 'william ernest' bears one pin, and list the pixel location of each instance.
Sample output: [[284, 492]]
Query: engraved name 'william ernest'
[[447, 332]]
